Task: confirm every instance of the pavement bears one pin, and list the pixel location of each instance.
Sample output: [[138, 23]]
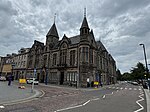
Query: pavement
[[74, 88], [147, 93], [12, 94]]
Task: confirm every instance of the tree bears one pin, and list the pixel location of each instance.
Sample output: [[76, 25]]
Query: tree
[[127, 76], [138, 71]]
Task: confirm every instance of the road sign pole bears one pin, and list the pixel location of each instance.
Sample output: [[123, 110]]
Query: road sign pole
[[32, 88]]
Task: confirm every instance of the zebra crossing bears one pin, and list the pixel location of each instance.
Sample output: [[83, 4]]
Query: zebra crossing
[[125, 88]]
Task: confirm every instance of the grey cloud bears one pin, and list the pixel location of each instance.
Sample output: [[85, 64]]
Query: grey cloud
[[121, 24]]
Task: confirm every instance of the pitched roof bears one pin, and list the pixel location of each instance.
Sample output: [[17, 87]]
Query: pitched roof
[[53, 31], [75, 39]]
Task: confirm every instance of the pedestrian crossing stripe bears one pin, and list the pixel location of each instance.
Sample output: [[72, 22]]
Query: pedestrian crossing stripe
[[121, 88], [2, 107]]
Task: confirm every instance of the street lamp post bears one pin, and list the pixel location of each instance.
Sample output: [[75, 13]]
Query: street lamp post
[[145, 59]]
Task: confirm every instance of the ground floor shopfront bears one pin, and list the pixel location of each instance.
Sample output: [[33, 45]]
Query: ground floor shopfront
[[69, 76]]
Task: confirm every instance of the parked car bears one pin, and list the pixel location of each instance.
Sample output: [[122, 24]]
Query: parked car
[[30, 81], [2, 78]]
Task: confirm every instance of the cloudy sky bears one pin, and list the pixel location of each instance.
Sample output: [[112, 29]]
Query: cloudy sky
[[120, 24]]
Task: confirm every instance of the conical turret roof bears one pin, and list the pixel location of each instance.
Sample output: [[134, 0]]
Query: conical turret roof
[[53, 31], [85, 23]]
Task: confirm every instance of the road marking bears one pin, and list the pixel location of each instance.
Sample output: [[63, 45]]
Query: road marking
[[104, 96], [68, 108], [130, 88], [135, 88], [126, 88], [86, 102], [54, 96], [140, 89], [117, 87], [139, 103], [2, 107], [73, 107], [95, 99], [121, 88]]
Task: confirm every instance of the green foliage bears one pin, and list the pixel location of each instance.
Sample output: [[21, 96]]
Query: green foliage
[[137, 73], [127, 76]]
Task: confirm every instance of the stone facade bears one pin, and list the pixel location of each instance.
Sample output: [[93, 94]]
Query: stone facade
[[72, 59], [68, 61]]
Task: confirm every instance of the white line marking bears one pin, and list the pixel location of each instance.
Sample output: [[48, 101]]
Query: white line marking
[[139, 103], [2, 107], [117, 87], [121, 88], [73, 107], [126, 88], [86, 102], [104, 96], [130, 88], [68, 108], [140, 89], [54, 96], [95, 99], [135, 88], [117, 90], [112, 93]]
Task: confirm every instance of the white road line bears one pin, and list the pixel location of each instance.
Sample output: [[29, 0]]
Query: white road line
[[126, 88], [95, 99], [130, 88], [117, 87], [2, 107], [139, 103], [68, 108], [140, 89], [73, 107], [135, 88], [104, 96], [54, 96], [86, 102], [121, 88], [117, 90]]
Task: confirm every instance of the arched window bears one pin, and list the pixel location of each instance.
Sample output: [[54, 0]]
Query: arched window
[[63, 54], [72, 58], [84, 54]]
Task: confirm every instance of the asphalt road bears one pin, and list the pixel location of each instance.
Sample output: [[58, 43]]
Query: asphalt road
[[113, 98], [116, 98]]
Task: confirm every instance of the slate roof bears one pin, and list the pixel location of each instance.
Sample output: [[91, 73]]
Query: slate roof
[[75, 39], [53, 31], [84, 23]]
